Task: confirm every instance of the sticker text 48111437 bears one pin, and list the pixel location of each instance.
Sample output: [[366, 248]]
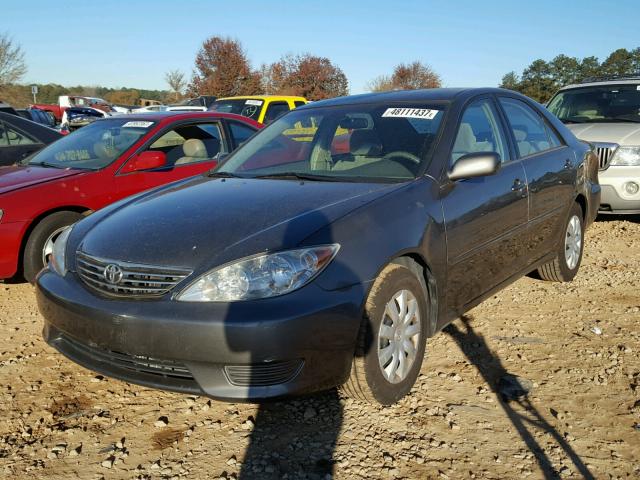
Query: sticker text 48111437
[[423, 113]]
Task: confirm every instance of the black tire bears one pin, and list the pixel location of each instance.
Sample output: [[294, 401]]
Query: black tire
[[558, 270], [367, 381], [32, 258]]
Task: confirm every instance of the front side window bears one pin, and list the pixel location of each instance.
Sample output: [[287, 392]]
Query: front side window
[[529, 130], [606, 103], [240, 132], [479, 131], [375, 142], [93, 147], [190, 143]]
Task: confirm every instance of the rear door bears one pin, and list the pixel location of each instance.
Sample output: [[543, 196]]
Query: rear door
[[548, 163], [485, 217], [190, 148]]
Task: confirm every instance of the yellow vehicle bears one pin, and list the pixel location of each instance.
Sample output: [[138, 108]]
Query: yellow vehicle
[[261, 108]]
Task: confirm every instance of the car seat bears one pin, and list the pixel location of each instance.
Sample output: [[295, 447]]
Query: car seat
[[194, 151]]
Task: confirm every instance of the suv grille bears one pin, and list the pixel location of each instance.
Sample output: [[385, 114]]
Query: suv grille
[[122, 279], [605, 152]]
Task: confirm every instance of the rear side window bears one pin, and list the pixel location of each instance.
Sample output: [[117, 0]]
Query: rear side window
[[298, 103], [554, 139], [531, 133], [274, 110]]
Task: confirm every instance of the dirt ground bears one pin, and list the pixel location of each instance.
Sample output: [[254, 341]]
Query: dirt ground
[[577, 344]]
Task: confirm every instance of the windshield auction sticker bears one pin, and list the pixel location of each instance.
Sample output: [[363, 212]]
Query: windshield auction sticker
[[423, 113], [253, 102], [138, 124]]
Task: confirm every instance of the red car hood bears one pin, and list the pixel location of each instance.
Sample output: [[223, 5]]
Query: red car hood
[[15, 177]]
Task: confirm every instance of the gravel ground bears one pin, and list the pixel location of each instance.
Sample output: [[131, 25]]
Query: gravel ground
[[575, 346]]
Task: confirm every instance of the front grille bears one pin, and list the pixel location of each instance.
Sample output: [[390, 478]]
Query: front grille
[[605, 152], [135, 363], [127, 279], [263, 374]]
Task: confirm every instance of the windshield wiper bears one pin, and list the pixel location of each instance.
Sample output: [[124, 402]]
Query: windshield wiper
[[224, 175], [568, 120], [304, 176], [44, 164]]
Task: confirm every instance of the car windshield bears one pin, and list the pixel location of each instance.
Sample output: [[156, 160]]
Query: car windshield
[[606, 103], [377, 142], [92, 147], [246, 107]]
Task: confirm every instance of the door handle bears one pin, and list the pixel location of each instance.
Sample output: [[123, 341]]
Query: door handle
[[568, 164], [518, 185]]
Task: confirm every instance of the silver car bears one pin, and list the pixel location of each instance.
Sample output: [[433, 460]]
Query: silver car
[[606, 113]]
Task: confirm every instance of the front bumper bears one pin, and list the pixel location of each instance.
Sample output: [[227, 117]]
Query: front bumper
[[614, 197], [294, 344]]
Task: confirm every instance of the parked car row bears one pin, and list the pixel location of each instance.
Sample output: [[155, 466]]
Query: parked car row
[[323, 251]]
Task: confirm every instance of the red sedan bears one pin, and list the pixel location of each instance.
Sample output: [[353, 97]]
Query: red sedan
[[98, 165]]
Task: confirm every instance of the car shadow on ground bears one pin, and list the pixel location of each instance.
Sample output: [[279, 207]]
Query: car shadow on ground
[[490, 367], [612, 217]]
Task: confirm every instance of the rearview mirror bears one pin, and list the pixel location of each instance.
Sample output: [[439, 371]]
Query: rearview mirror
[[146, 161], [479, 164]]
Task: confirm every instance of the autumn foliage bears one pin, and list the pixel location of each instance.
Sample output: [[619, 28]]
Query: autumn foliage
[[410, 76], [222, 69], [310, 76]]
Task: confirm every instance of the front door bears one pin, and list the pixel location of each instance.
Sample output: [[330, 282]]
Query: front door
[[190, 149], [485, 217]]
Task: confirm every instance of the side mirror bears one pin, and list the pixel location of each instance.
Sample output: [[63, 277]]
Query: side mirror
[[146, 161], [479, 164]]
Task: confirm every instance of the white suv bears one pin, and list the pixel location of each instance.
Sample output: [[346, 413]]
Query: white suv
[[606, 113]]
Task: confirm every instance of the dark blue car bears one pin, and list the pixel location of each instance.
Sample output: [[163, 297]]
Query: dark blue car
[[327, 249]]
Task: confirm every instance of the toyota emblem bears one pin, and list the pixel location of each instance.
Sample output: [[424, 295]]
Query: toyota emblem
[[113, 274]]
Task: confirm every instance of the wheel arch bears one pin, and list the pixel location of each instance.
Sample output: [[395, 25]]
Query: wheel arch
[[36, 220], [417, 263], [582, 201]]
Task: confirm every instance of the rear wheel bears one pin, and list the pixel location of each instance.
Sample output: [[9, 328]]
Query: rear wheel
[[39, 245], [569, 251], [392, 338]]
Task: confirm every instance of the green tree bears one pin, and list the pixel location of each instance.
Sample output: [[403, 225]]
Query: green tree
[[620, 62], [510, 81]]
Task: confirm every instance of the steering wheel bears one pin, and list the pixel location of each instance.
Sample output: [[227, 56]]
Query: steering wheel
[[404, 155]]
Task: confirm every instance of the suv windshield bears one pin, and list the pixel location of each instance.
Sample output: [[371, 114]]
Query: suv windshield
[[606, 103], [92, 147], [379, 142], [249, 107]]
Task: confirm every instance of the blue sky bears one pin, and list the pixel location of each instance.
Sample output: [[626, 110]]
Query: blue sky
[[469, 43]]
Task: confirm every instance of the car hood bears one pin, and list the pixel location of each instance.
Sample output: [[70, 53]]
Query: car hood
[[620, 133], [15, 176], [205, 222]]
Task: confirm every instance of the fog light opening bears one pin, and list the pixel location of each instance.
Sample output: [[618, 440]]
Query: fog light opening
[[631, 188]]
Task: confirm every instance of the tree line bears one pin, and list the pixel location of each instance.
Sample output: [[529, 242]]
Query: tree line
[[541, 79]]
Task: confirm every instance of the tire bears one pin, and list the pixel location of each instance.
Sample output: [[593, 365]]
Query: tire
[[565, 266], [46, 228], [367, 380]]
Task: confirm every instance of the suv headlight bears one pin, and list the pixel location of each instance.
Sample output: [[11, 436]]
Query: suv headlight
[[626, 156], [57, 259], [261, 276]]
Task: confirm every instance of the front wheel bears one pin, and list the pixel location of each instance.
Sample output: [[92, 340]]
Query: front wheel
[[39, 245], [569, 250], [392, 338]]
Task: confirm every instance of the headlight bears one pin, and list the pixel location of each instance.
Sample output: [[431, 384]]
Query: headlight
[[57, 259], [260, 276], [626, 156]]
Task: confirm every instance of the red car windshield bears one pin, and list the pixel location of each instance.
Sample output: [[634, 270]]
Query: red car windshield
[[92, 147]]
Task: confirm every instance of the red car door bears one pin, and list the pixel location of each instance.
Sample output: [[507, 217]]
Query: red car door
[[189, 148]]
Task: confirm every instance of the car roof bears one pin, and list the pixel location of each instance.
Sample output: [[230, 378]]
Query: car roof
[[404, 96], [263, 97], [598, 83], [168, 117]]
